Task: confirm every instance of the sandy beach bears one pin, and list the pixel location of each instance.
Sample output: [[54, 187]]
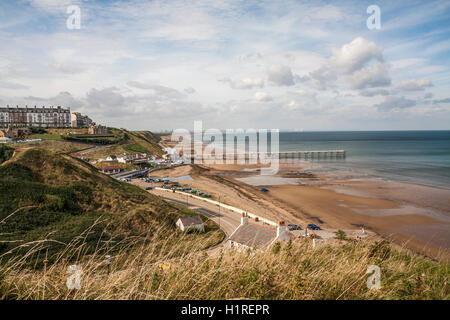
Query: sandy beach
[[413, 216]]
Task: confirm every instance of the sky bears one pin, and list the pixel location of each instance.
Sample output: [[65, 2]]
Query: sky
[[288, 65]]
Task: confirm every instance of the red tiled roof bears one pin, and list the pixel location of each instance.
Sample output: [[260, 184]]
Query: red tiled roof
[[111, 168]]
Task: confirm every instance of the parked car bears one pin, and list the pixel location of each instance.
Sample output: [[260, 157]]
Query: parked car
[[149, 188], [294, 227], [313, 227]]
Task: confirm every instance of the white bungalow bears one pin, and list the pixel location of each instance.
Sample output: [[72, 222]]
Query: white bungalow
[[252, 236], [190, 222]]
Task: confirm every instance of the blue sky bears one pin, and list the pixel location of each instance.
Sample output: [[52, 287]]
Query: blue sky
[[233, 64]]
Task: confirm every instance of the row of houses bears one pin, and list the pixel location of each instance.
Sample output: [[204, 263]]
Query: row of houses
[[56, 117], [133, 159], [45, 117]]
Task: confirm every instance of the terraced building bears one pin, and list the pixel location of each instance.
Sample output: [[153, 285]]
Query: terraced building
[[50, 117]]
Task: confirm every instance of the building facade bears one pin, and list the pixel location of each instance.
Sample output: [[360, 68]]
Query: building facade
[[78, 120], [98, 129], [50, 117]]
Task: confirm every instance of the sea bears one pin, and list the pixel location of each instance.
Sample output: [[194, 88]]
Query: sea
[[411, 156]]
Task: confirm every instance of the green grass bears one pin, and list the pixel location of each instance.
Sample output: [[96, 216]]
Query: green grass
[[135, 148], [53, 198], [6, 153], [118, 137]]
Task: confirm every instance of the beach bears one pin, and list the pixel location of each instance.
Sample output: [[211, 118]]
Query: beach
[[410, 215]]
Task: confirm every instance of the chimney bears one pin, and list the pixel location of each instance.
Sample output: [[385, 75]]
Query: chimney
[[281, 231], [244, 219]]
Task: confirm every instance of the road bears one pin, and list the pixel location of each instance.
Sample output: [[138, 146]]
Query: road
[[228, 222]]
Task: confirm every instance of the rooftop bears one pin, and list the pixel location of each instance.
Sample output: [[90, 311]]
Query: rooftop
[[253, 236], [190, 220]]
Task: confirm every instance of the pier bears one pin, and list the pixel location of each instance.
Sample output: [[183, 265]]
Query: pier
[[313, 154], [316, 154]]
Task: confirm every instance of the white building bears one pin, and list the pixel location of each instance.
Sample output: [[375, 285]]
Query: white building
[[124, 159], [77, 120], [53, 117], [190, 222], [111, 158]]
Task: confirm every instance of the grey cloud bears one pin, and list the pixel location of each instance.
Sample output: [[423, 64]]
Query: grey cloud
[[280, 75], [374, 92], [157, 90], [415, 85], [373, 76], [392, 102], [323, 78], [64, 99], [12, 85], [66, 68], [108, 101], [446, 100], [190, 90]]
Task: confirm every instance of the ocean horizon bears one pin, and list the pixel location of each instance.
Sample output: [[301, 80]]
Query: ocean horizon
[[418, 156], [412, 156]]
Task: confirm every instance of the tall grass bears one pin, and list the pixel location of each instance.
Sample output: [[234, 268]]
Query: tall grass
[[173, 265]]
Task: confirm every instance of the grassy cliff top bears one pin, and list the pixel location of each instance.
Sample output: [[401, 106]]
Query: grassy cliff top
[[54, 197]]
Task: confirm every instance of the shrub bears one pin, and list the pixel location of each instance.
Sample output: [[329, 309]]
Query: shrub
[[341, 235]]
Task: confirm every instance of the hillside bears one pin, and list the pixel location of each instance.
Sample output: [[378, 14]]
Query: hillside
[[135, 142], [45, 195], [68, 209]]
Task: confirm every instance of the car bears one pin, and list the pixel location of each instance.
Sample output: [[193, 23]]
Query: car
[[313, 227], [149, 188], [294, 227]]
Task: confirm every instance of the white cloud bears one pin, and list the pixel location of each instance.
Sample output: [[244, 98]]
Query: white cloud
[[245, 83], [354, 55], [262, 96], [53, 6], [161, 50]]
